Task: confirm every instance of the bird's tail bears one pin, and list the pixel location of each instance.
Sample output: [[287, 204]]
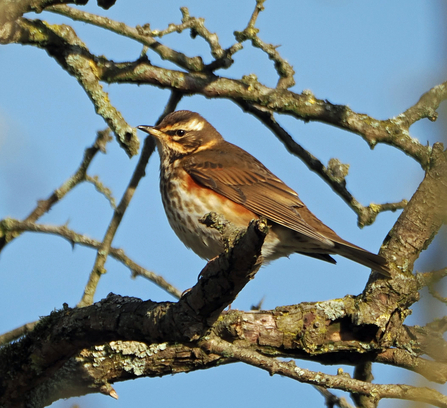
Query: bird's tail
[[354, 253]]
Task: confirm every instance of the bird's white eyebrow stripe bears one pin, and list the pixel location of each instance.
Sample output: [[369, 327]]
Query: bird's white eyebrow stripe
[[194, 124]]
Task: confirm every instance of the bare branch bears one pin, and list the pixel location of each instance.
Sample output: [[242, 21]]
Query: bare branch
[[363, 372], [430, 279], [144, 35], [62, 43], [432, 370], [43, 206], [331, 399], [302, 106], [11, 10], [141, 34], [101, 188], [10, 225], [334, 178], [438, 325], [426, 106], [283, 68], [171, 106], [12, 335], [103, 251], [290, 370], [412, 232]]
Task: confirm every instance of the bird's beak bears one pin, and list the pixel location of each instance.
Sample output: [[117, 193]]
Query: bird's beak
[[152, 130], [146, 128]]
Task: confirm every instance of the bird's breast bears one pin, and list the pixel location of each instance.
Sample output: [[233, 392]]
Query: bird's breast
[[185, 201]]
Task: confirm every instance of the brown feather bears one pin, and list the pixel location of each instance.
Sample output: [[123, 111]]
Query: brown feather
[[240, 177], [237, 175]]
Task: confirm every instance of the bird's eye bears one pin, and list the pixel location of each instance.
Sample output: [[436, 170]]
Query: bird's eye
[[180, 132]]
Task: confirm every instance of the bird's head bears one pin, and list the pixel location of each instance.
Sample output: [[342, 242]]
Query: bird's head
[[182, 133]]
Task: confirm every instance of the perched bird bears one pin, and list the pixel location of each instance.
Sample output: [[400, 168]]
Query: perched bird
[[200, 173]]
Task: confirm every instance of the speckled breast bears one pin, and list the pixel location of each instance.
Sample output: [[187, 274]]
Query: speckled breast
[[185, 201]]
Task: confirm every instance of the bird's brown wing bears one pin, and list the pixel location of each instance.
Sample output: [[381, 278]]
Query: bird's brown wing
[[238, 176], [241, 178]]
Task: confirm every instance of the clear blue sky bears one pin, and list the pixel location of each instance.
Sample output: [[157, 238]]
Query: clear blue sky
[[377, 57]]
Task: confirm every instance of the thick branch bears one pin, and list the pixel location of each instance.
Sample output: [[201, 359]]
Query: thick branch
[[302, 106], [423, 216], [34, 359], [313, 331], [386, 303]]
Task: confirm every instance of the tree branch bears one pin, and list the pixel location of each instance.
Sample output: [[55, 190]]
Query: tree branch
[[62, 44], [290, 370], [302, 106], [10, 225], [283, 68], [363, 372], [44, 206], [310, 331], [426, 106], [141, 34], [103, 251], [33, 360], [16, 333], [334, 178]]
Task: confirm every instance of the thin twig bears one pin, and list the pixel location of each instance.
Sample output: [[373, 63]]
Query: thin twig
[[331, 399], [430, 279], [12, 335], [103, 252], [144, 35], [426, 106], [62, 44], [44, 206], [11, 225], [283, 68], [171, 106], [101, 188], [438, 325], [101, 257], [363, 372]]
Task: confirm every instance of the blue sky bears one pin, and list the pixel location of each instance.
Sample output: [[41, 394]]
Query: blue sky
[[377, 57]]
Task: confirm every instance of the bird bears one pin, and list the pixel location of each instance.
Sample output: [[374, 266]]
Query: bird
[[201, 172]]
